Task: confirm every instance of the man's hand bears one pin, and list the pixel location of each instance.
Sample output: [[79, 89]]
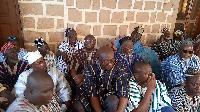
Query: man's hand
[[4, 104], [151, 82], [65, 57], [78, 79]]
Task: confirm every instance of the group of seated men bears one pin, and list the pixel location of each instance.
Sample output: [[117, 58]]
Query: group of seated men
[[81, 78]]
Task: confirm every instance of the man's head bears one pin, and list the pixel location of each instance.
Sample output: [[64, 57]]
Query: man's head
[[193, 81], [89, 42], [142, 71], [10, 52], [186, 49], [15, 41], [126, 44], [36, 61], [39, 88], [166, 33], [106, 57], [42, 46], [137, 34], [197, 48], [179, 35], [72, 35]]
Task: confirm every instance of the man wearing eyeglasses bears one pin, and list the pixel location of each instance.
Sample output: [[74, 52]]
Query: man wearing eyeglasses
[[81, 59], [174, 67]]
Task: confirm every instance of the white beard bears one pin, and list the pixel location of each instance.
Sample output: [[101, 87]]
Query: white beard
[[185, 60]]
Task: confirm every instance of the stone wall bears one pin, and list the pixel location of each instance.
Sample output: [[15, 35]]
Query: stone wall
[[105, 19]]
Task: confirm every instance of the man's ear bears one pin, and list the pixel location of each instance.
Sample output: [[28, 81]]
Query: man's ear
[[136, 75], [30, 91], [121, 46], [5, 55]]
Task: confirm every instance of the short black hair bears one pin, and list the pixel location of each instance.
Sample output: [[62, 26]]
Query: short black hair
[[124, 39]]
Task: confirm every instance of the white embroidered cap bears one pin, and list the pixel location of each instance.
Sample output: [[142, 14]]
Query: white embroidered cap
[[32, 56]]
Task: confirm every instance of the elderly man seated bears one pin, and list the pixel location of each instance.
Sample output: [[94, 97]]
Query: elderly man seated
[[11, 68], [187, 98], [21, 52], [174, 67], [36, 61], [38, 95]]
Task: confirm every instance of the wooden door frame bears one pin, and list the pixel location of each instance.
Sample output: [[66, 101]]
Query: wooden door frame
[[19, 26]]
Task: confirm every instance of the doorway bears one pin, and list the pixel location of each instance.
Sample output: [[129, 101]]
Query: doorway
[[192, 24], [10, 24]]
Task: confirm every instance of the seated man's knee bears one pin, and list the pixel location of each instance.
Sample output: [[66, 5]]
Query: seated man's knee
[[167, 109], [111, 103], [77, 106]]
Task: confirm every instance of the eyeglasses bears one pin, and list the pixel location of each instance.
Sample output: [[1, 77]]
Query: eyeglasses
[[190, 52], [88, 40]]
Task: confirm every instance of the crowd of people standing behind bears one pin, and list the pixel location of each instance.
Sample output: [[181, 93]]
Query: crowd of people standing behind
[[164, 77]]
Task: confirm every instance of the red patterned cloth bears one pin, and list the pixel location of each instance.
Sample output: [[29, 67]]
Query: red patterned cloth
[[6, 47]]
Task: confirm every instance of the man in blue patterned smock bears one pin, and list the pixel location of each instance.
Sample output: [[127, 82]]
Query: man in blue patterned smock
[[126, 56], [148, 55], [67, 49], [105, 84], [146, 93], [21, 51], [174, 67]]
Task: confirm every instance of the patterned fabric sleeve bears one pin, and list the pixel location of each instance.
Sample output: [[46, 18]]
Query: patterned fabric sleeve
[[22, 53], [172, 74], [164, 99], [21, 67], [134, 96], [63, 88], [177, 99], [20, 85], [122, 82], [74, 61], [2, 57], [89, 80], [154, 47], [51, 60], [63, 46], [62, 65], [5, 77]]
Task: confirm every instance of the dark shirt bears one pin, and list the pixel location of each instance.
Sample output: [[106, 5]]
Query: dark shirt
[[7, 77], [166, 48], [101, 83], [128, 61], [81, 59]]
